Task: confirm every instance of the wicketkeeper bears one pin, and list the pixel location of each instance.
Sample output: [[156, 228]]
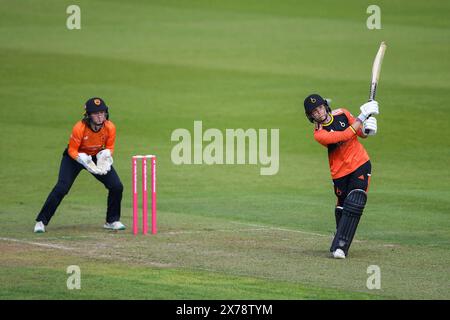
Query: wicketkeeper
[[91, 146], [349, 162]]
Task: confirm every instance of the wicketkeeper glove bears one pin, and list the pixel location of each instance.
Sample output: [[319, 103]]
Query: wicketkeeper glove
[[370, 126], [368, 109], [90, 166], [104, 160]]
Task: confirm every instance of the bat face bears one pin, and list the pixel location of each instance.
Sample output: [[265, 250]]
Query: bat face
[[376, 69]]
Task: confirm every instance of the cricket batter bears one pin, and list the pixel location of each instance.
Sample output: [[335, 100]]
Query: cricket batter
[[91, 146], [349, 162]]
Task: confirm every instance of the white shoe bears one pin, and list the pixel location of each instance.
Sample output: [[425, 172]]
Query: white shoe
[[39, 227], [116, 225], [339, 254]]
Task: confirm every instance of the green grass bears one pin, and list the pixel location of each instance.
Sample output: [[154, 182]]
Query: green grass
[[225, 231], [101, 280]]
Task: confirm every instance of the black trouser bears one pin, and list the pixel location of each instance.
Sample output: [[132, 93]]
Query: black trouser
[[358, 179], [68, 172]]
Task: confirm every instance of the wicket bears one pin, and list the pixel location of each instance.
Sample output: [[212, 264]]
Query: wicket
[[144, 193]]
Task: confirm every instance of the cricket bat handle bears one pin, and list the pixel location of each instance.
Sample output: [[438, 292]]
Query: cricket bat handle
[[373, 90]]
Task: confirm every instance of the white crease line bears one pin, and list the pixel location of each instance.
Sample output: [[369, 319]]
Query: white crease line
[[204, 231], [280, 229], [46, 245], [67, 238], [91, 254], [290, 230]]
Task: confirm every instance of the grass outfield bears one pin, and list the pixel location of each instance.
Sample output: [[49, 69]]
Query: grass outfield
[[225, 232]]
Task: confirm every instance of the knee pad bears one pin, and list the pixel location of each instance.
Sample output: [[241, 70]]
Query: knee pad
[[355, 202]]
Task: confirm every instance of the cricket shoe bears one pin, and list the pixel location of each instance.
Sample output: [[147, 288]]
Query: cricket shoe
[[39, 227], [339, 254], [116, 225]]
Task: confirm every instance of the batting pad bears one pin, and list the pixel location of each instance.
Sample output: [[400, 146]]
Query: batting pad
[[353, 208]]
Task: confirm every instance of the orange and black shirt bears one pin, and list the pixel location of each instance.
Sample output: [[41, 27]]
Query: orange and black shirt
[[84, 140], [345, 152]]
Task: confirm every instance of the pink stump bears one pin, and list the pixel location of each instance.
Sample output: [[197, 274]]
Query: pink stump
[[134, 187], [144, 197], [153, 161]]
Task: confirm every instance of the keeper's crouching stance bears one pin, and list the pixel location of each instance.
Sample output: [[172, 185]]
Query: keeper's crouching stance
[[91, 146], [349, 162]]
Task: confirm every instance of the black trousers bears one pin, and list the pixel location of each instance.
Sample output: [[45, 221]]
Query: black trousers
[[358, 179], [68, 172]]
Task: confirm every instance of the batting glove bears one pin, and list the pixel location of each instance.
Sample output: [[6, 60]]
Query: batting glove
[[368, 109], [370, 126]]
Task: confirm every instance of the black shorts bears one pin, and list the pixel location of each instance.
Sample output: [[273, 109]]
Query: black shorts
[[358, 179]]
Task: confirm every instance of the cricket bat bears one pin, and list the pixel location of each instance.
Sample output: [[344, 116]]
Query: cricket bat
[[376, 69]]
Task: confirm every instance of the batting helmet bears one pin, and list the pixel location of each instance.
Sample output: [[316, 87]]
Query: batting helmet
[[313, 101]]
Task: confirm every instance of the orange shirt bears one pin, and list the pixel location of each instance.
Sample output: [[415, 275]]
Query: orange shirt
[[345, 152], [84, 139]]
